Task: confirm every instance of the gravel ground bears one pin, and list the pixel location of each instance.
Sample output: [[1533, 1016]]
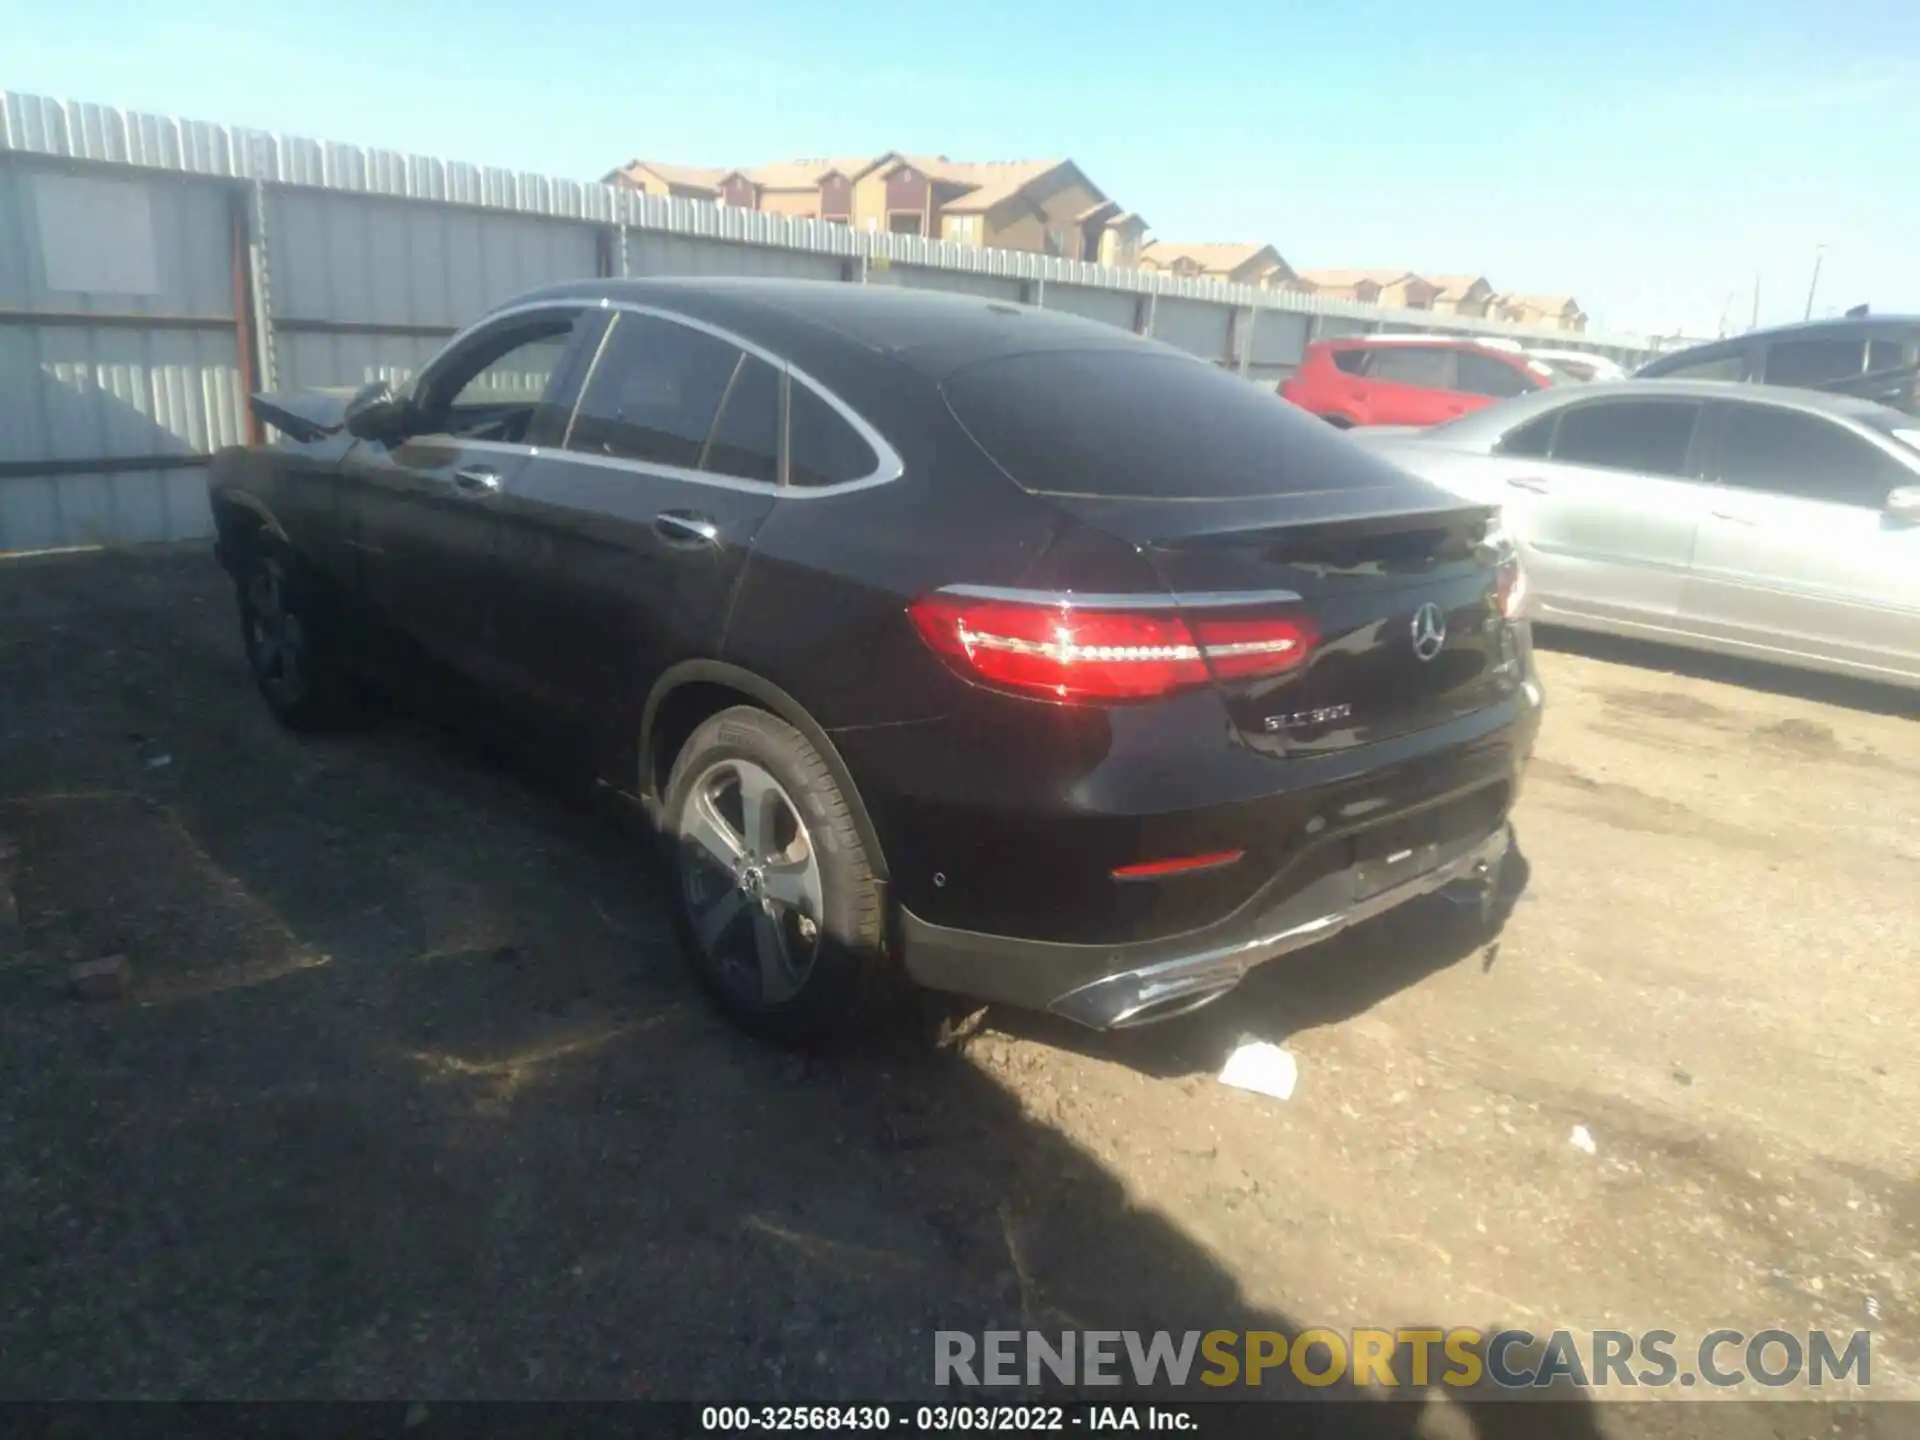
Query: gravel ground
[[409, 1095]]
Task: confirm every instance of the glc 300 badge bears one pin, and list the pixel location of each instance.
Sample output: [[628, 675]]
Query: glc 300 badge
[[1301, 719]]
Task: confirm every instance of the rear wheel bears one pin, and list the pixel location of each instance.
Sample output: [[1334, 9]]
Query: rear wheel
[[775, 895], [285, 628]]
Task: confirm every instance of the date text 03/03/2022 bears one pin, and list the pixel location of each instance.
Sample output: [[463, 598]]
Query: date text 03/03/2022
[[941, 1419]]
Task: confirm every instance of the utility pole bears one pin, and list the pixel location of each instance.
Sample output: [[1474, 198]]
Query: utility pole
[[1818, 252], [1754, 324]]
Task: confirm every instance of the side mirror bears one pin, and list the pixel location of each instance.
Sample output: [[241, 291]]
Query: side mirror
[[376, 413], [1903, 503]]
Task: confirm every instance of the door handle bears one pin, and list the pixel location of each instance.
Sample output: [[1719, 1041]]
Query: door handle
[[1529, 482], [683, 527], [476, 480]]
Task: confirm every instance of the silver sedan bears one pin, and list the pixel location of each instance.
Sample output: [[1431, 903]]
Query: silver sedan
[[1773, 523]]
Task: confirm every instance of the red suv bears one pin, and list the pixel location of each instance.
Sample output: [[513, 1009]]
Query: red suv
[[1411, 380]]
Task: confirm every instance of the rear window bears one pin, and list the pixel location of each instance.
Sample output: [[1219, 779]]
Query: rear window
[[1133, 425]]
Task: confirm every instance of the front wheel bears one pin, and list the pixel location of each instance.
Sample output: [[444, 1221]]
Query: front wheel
[[775, 895], [286, 632]]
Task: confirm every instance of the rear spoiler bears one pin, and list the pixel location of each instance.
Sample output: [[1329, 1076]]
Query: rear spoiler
[[304, 415]]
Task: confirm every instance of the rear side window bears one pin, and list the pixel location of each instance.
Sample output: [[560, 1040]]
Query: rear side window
[[1353, 362], [1426, 366], [1812, 363], [746, 438], [1721, 367], [823, 448], [1529, 441], [1134, 425], [1650, 436], [1787, 453], [654, 393], [1483, 375]]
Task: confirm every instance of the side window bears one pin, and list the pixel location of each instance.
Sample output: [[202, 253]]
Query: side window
[[501, 385], [654, 393], [1353, 362], [1885, 355], [1651, 436], [1484, 375], [823, 449], [1814, 362], [1529, 441], [1426, 366], [1787, 453], [746, 439], [1721, 367]]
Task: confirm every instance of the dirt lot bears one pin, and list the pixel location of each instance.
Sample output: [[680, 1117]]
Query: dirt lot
[[411, 1097]]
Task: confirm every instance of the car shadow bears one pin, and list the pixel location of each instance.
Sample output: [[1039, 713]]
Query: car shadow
[[1814, 685], [1323, 984], [406, 1093]]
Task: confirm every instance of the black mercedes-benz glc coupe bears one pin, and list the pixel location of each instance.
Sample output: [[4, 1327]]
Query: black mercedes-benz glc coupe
[[1023, 656]]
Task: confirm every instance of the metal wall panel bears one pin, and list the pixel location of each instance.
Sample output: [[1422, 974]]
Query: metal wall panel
[[1269, 377], [134, 507], [88, 394], [188, 239], [1339, 327], [85, 393], [351, 258], [1192, 325], [306, 359], [1110, 307], [960, 282], [1279, 338], [653, 253]]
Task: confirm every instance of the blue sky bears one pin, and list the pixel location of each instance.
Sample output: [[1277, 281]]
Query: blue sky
[[1650, 158]]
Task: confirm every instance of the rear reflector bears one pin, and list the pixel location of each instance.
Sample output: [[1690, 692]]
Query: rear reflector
[[1073, 653], [1185, 865]]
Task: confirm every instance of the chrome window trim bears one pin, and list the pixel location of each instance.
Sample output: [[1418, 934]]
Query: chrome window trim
[[423, 378], [889, 466], [1168, 600]]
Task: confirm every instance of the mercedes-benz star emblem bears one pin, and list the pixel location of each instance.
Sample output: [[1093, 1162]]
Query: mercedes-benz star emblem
[[1429, 631]]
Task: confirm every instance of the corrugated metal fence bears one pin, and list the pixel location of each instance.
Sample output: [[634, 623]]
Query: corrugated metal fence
[[155, 272]]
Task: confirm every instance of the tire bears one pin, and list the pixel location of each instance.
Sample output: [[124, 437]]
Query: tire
[[289, 635], [786, 957], [1338, 422]]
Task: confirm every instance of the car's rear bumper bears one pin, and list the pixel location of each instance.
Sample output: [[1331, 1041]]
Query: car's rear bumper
[[1112, 986]]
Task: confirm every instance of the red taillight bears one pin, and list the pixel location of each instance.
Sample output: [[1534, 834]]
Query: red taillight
[[1077, 653], [1238, 649]]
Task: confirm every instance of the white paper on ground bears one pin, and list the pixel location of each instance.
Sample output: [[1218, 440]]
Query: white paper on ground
[[1262, 1067]]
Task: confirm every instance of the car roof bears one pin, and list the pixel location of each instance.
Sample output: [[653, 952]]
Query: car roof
[[1864, 327], [817, 322], [1497, 419]]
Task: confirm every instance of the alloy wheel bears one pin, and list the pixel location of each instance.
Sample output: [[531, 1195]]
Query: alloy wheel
[[277, 638], [751, 880]]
